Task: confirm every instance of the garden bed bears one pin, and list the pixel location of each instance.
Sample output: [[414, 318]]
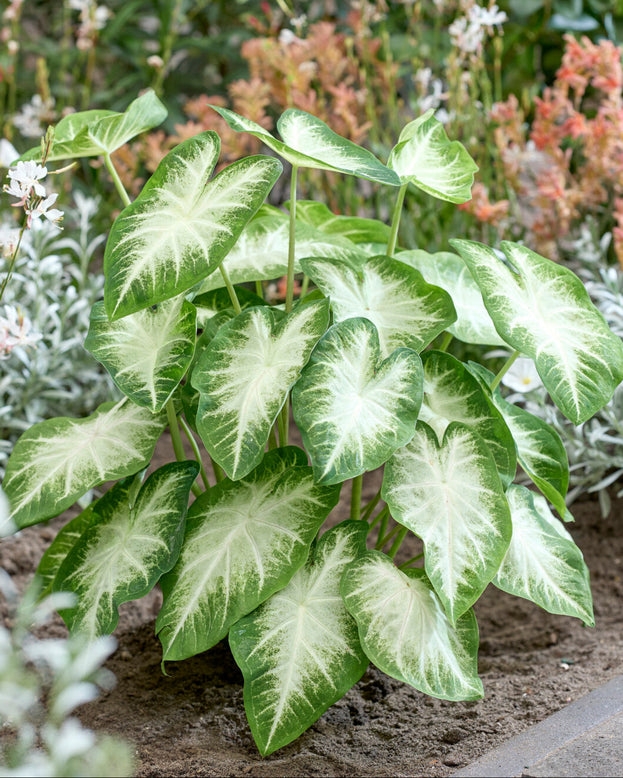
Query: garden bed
[[192, 721]]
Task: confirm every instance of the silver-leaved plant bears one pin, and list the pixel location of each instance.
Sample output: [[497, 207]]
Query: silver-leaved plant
[[188, 337]]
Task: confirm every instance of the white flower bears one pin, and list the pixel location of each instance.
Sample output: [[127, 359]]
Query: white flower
[[522, 376], [487, 17], [15, 330], [287, 37], [9, 237], [467, 37], [101, 16], [8, 153], [29, 120], [24, 178], [41, 209]]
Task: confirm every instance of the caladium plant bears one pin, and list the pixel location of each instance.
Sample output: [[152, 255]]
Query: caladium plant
[[360, 364]]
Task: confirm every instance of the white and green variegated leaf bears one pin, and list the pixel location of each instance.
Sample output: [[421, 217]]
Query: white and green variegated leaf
[[68, 536], [406, 311], [452, 393], [356, 228], [424, 156], [543, 310], [56, 461], [449, 271], [299, 651], [403, 629], [244, 541], [540, 451], [181, 226], [309, 142], [211, 303], [65, 133], [148, 352], [244, 376], [123, 553], [353, 409], [450, 495], [261, 252], [543, 564]]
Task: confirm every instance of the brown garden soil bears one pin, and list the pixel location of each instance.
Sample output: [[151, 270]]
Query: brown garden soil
[[192, 722]]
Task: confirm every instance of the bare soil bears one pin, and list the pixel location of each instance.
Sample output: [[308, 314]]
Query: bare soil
[[192, 722]]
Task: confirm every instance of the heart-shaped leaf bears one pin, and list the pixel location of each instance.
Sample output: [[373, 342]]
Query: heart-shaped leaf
[[57, 461], [543, 310], [542, 563], [244, 541], [299, 652], [405, 632], [451, 496], [353, 409], [405, 310], [309, 142], [540, 451], [181, 226], [448, 271], [261, 252], [356, 228], [92, 133], [121, 556], [148, 352], [451, 393], [424, 156], [244, 376]]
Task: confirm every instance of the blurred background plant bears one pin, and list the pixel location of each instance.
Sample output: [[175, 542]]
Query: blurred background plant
[[44, 369], [42, 681]]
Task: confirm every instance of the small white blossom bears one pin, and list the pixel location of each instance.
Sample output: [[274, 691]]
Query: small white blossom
[[9, 238], [15, 330], [465, 35], [25, 178], [33, 114], [287, 37], [42, 208], [522, 376], [487, 17]]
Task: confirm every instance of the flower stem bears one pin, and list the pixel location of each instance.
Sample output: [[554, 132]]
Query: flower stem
[[291, 240], [393, 236], [402, 534], [383, 539], [196, 452], [355, 497], [176, 439], [503, 370], [230, 289], [9, 271], [116, 180], [365, 516], [381, 516]]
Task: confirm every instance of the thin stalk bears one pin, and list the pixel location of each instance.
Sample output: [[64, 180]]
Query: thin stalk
[[283, 422], [291, 240], [176, 439], [382, 517], [167, 47], [305, 285], [272, 439], [259, 289], [398, 542], [406, 564], [116, 180], [355, 497], [218, 471], [393, 236], [196, 452], [503, 370], [383, 539], [12, 262], [230, 289], [447, 339], [365, 516]]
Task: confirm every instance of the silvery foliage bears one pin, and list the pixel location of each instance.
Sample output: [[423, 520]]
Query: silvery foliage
[[53, 286], [46, 740], [595, 448]]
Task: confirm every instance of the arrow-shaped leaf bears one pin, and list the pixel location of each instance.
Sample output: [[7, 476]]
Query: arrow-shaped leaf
[[261, 252], [451, 496], [121, 556], [244, 377], [543, 310], [405, 310], [540, 451], [148, 352], [353, 409], [424, 156], [57, 461], [542, 563], [244, 541], [405, 632], [451, 393], [96, 132], [181, 226], [299, 652], [309, 142], [449, 271]]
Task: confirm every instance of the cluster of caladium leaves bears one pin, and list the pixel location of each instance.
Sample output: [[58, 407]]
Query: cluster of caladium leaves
[[307, 610]]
